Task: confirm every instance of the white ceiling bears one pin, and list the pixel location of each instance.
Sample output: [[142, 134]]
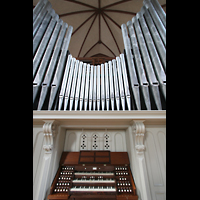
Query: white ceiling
[[102, 25]]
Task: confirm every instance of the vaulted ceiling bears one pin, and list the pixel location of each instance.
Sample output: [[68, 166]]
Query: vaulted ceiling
[[97, 24]]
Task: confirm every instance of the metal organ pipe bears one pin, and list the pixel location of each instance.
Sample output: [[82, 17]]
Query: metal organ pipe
[[139, 66], [65, 83], [95, 88], [161, 28], [153, 52], [131, 67], [98, 87], [107, 86], [160, 11], [112, 95], [59, 70], [69, 82], [78, 85], [155, 35], [126, 85], [40, 17], [52, 65], [38, 8], [87, 87], [82, 86], [43, 65], [91, 87]]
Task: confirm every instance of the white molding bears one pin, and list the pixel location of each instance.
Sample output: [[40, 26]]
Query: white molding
[[100, 117]]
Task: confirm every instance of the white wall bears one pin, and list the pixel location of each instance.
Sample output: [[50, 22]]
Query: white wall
[[155, 160], [155, 156], [77, 140]]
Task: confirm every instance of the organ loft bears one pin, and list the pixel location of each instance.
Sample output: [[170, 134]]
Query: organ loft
[[99, 99]]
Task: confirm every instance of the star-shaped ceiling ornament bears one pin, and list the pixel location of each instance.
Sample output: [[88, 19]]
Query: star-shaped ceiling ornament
[[97, 24]]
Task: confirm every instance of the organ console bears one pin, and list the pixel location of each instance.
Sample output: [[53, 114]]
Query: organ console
[[93, 175]]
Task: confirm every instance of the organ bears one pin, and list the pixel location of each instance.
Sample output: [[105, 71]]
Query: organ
[[133, 80], [93, 175]]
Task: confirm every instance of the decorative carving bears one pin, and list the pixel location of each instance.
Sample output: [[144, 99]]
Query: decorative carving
[[139, 131], [106, 139], [95, 136], [49, 130], [83, 143]]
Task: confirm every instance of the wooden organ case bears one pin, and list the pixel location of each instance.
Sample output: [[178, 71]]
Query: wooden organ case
[[93, 175]]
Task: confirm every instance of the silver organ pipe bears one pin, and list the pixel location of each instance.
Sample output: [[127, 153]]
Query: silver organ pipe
[[40, 17], [136, 79], [91, 87], [112, 96], [43, 44], [131, 67], [98, 87], [148, 65], [121, 85], [64, 82], [139, 66], [160, 11], [69, 83], [87, 87], [38, 8], [95, 88], [47, 22], [102, 87], [107, 86], [73, 84], [52, 65], [116, 88], [43, 65], [158, 23], [153, 52], [82, 86], [156, 37], [126, 85], [58, 74], [78, 85]]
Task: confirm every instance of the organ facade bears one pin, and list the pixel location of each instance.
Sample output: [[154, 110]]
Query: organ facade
[[89, 118]]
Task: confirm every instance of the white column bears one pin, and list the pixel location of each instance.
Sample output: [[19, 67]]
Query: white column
[[49, 130], [138, 129]]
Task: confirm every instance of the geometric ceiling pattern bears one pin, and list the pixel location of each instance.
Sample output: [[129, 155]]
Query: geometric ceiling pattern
[[97, 24]]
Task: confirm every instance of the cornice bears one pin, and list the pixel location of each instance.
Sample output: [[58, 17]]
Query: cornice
[[100, 117]]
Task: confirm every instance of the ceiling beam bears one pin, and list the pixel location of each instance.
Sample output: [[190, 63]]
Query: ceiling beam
[[116, 3], [108, 49], [120, 11], [84, 23], [112, 21], [87, 34], [76, 12], [83, 4], [91, 48], [111, 33]]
